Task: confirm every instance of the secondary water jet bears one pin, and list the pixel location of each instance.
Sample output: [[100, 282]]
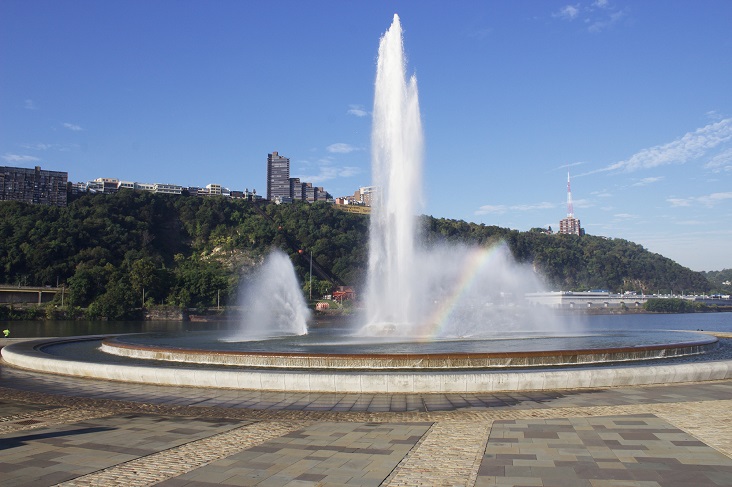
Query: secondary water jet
[[273, 302]]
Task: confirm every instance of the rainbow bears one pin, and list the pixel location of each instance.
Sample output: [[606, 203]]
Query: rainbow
[[477, 259]]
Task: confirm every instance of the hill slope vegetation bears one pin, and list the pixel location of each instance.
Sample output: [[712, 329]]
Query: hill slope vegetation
[[113, 251]]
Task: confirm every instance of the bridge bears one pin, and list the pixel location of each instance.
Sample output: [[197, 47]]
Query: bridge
[[28, 294]]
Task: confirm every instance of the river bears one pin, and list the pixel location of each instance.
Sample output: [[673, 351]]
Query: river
[[33, 329]]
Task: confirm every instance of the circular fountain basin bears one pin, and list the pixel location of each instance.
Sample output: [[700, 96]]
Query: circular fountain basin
[[340, 372], [323, 351]]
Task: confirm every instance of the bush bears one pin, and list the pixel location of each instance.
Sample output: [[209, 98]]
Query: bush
[[670, 305]]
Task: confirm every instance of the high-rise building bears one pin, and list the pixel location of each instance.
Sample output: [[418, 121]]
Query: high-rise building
[[34, 186], [278, 177], [309, 193], [296, 189]]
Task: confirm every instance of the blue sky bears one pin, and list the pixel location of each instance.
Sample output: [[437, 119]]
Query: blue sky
[[633, 98]]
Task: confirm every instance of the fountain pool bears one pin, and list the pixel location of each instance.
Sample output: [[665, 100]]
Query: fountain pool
[[445, 318]]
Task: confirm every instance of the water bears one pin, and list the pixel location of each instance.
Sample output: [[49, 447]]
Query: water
[[441, 291], [273, 302], [592, 324], [326, 342], [396, 145]]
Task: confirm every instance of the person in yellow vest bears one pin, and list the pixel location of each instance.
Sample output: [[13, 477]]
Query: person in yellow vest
[[6, 333]]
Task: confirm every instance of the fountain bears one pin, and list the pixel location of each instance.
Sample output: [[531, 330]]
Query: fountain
[[438, 319], [273, 302], [413, 291]]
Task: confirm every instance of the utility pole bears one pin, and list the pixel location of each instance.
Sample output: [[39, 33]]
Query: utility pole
[[311, 275]]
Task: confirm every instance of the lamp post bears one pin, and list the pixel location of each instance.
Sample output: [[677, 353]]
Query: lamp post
[[310, 285], [311, 275]]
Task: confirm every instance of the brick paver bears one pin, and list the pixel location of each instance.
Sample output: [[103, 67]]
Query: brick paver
[[614, 450], [172, 462], [70, 431]]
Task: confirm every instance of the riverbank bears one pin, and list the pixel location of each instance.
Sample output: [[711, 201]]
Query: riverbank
[[235, 314]]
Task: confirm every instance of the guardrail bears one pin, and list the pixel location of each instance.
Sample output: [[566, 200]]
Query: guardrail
[[28, 294]]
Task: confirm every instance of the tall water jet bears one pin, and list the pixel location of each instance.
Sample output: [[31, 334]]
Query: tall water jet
[[445, 291], [397, 147], [273, 302]]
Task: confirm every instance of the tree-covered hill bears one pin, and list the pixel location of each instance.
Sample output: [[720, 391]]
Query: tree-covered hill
[[111, 250], [721, 281]]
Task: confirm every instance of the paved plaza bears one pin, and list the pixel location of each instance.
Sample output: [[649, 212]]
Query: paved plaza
[[69, 431]]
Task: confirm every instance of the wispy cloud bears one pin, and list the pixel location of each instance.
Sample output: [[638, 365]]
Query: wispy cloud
[[714, 198], [599, 25], [326, 169], [567, 166], [597, 16], [328, 173], [714, 115], [341, 148], [72, 127], [30, 104], [626, 216], [691, 222], [647, 181], [709, 200], [691, 146], [721, 162], [45, 147], [583, 203], [676, 202], [568, 12], [357, 110], [500, 209], [19, 158]]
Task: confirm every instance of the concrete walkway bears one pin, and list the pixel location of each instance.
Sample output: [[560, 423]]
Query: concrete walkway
[[70, 431]]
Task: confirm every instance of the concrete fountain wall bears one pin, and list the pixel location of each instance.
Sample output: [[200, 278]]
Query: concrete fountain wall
[[406, 361], [30, 355]]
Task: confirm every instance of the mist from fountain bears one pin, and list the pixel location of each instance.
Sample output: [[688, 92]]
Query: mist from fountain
[[273, 302], [419, 292]]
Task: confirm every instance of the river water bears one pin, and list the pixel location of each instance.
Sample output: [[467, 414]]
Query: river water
[[634, 322]]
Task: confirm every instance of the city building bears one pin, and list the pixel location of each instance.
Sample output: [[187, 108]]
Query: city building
[[278, 176], [35, 186], [570, 226], [296, 189], [309, 193], [281, 188], [361, 197], [167, 188]]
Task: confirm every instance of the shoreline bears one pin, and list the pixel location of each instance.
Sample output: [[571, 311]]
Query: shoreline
[[222, 316]]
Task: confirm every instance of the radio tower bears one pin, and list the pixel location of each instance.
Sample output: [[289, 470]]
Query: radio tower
[[570, 208], [570, 225]]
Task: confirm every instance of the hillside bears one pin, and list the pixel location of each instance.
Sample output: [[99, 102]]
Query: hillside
[[109, 250], [721, 281]]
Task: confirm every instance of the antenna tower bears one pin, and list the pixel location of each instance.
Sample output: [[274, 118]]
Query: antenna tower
[[570, 208]]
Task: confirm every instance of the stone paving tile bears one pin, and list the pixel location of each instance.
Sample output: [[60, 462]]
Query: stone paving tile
[[326, 453], [48, 455], [617, 450], [694, 420], [170, 463], [34, 416]]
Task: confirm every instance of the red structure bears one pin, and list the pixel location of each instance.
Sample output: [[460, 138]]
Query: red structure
[[570, 225]]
